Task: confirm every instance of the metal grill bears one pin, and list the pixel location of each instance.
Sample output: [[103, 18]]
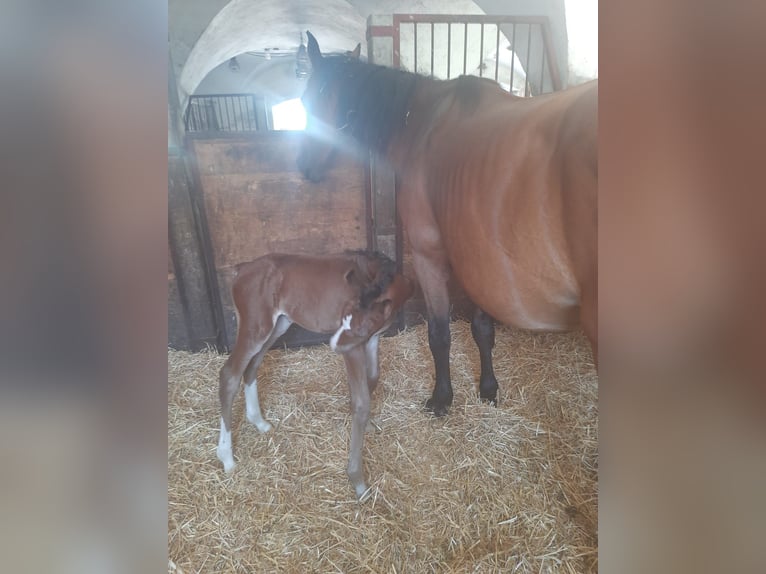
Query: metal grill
[[515, 51], [222, 113]]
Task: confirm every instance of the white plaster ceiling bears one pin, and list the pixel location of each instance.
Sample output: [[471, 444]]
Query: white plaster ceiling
[[205, 34]]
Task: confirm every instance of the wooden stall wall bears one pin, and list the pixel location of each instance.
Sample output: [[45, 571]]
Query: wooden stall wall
[[256, 202]]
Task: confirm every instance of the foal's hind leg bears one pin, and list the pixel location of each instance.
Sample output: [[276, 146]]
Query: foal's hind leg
[[356, 369], [249, 343], [373, 364], [252, 407], [483, 331]]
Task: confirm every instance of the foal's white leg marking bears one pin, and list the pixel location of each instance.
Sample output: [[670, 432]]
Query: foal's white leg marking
[[253, 409], [344, 326], [224, 448]]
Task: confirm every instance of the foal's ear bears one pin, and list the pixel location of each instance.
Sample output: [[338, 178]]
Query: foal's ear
[[356, 52], [315, 54]]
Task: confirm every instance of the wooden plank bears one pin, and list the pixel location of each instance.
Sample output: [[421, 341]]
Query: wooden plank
[[256, 202], [190, 283], [178, 329], [251, 216]]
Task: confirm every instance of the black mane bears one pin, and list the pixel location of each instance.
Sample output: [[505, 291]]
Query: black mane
[[373, 100]]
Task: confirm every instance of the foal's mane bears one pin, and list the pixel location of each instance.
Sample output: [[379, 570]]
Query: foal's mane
[[377, 272]]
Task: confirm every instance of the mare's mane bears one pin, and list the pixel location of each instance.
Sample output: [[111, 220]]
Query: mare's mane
[[374, 100]]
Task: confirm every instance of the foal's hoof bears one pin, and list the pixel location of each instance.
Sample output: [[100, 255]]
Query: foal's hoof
[[362, 493], [263, 426], [438, 409], [227, 459]]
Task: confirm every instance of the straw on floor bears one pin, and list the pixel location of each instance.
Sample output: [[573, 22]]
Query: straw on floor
[[511, 488]]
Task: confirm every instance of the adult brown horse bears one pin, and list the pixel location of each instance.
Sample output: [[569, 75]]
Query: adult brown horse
[[497, 189]]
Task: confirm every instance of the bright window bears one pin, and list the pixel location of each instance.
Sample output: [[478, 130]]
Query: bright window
[[289, 115]]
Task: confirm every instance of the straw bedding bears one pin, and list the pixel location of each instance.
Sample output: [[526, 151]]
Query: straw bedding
[[511, 488]]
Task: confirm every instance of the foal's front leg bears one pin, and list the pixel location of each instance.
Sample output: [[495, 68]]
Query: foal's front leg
[[356, 368]]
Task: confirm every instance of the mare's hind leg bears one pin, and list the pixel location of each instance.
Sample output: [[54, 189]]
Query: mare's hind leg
[[250, 340], [252, 406], [483, 331]]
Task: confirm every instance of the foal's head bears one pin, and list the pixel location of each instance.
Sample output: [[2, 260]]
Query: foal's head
[[324, 116], [372, 273]]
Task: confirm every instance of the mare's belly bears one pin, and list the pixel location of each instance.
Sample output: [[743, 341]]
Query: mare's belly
[[522, 300]]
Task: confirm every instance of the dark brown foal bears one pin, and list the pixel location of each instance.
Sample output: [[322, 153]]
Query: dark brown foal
[[354, 295]]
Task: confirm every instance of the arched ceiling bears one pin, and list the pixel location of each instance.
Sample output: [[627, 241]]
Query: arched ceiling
[[206, 33], [253, 25]]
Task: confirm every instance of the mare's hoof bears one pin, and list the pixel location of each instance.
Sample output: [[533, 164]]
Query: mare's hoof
[[438, 409], [491, 400]]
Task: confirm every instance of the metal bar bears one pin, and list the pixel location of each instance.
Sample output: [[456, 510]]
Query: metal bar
[[396, 36], [221, 108], [189, 117], [241, 114], [432, 49], [553, 65], [513, 56], [415, 34], [497, 54], [449, 48], [526, 68], [465, 47], [470, 18], [234, 126], [542, 70], [203, 96], [481, 53]]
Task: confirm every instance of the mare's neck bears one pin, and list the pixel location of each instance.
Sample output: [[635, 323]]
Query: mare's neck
[[404, 143]]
